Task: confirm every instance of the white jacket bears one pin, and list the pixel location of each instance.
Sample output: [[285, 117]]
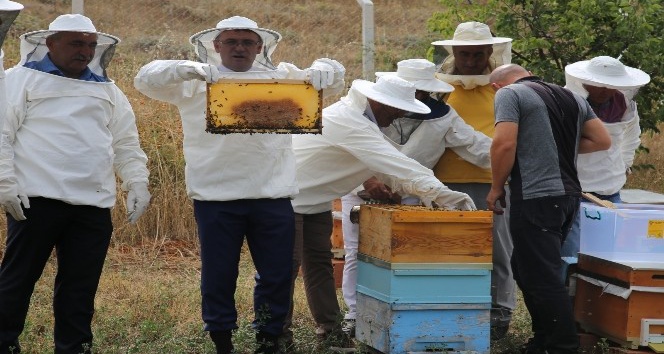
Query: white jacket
[[63, 138], [3, 92], [352, 149], [604, 172], [224, 167], [430, 137]]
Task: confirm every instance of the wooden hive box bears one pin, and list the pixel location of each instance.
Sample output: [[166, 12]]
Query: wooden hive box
[[432, 283], [414, 234], [614, 317], [422, 328]]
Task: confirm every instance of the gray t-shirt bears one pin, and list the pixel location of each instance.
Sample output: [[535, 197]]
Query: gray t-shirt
[[542, 168]]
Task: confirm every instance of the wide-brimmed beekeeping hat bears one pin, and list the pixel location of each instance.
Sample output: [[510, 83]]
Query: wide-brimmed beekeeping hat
[[421, 73], [608, 72], [204, 46], [6, 5], [391, 91]]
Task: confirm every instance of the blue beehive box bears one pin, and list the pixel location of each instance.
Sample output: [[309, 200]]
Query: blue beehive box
[[400, 328], [419, 283]]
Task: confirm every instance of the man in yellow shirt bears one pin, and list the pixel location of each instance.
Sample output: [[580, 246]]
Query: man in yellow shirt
[[471, 55]]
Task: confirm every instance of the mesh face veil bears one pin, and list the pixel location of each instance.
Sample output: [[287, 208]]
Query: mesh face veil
[[6, 20], [204, 46], [33, 44]]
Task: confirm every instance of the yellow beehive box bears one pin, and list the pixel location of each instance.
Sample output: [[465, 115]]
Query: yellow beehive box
[[263, 106], [415, 234]]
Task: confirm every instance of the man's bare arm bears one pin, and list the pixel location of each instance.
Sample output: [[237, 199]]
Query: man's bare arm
[[594, 137]]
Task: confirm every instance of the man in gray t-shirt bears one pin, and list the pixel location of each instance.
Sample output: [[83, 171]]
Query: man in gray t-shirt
[[540, 128]]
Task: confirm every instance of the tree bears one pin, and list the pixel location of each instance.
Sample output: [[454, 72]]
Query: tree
[[549, 34]]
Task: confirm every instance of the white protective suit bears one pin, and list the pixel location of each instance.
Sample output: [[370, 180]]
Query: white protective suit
[[604, 172], [61, 136], [234, 166], [426, 142], [3, 90], [351, 150]]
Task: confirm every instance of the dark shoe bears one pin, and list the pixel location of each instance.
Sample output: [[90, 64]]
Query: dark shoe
[[348, 327], [222, 341], [267, 343], [500, 321]]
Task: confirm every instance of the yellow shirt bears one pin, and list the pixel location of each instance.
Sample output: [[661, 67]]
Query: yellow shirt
[[475, 106]]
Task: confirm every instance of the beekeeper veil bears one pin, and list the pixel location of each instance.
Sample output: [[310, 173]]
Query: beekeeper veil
[[33, 44], [604, 71], [204, 46], [468, 34], [8, 12]]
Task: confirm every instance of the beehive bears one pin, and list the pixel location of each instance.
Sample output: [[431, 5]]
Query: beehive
[[424, 283], [402, 328], [415, 234], [613, 316], [263, 106]]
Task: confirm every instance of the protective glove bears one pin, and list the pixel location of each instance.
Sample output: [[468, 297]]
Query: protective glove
[[451, 199], [11, 199], [138, 199], [321, 75], [191, 70]]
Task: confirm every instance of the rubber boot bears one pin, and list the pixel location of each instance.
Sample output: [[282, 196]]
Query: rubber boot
[[222, 341]]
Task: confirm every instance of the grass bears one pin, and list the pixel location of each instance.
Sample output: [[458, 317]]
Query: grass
[[149, 300]]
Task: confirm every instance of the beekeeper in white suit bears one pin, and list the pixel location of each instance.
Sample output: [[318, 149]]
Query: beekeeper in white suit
[[351, 149], [8, 12], [422, 137], [241, 184], [609, 86], [68, 130]]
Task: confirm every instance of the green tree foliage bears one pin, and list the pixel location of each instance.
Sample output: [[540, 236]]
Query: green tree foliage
[[549, 34]]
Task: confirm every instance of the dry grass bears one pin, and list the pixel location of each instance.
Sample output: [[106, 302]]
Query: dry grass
[[149, 300]]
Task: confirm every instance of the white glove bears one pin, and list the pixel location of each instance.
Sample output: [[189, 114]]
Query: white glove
[[451, 199], [192, 70], [321, 75], [138, 199], [11, 199]]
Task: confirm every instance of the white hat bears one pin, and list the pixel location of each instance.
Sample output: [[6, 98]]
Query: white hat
[[33, 44], [472, 33], [6, 5], [203, 40], [607, 72], [71, 23], [392, 91], [421, 73]]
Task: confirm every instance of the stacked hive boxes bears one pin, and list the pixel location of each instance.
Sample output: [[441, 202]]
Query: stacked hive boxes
[[621, 273], [424, 279]]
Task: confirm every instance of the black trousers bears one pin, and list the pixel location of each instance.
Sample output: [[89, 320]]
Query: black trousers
[[268, 225], [80, 235], [539, 227]]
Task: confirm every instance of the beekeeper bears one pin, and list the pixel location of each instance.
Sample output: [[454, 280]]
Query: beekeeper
[[69, 129], [8, 12], [422, 137], [241, 184], [352, 149], [469, 57], [609, 87]]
